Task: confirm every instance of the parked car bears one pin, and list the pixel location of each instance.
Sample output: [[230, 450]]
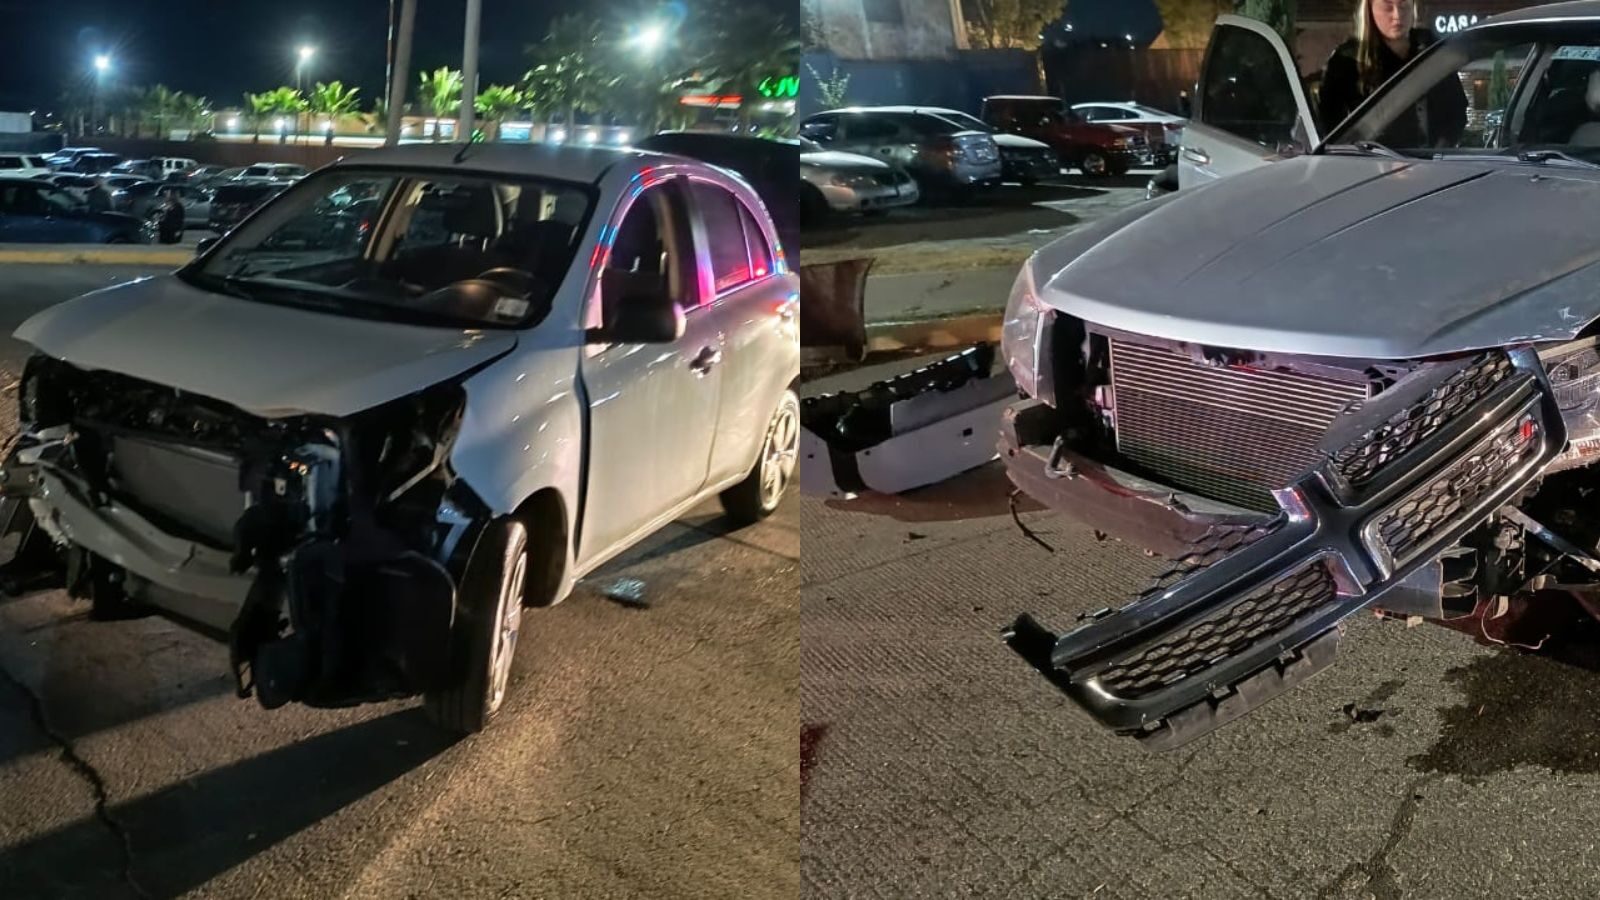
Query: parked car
[[76, 185], [362, 460], [940, 154], [1370, 378], [202, 176], [92, 163], [1095, 148], [834, 181], [1022, 160], [66, 155], [232, 201], [768, 166], [140, 167], [21, 165], [1163, 131], [271, 172], [144, 199], [168, 166], [33, 211], [118, 185]]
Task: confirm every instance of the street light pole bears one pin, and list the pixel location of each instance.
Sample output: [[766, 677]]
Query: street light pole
[[306, 53], [102, 63], [402, 70], [469, 72]]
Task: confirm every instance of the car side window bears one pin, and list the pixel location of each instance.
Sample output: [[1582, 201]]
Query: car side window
[[1245, 88], [652, 253], [761, 263], [869, 128], [730, 257]]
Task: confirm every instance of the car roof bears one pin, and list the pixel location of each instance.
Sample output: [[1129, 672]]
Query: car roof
[[1579, 9], [896, 110], [583, 164], [1023, 97]]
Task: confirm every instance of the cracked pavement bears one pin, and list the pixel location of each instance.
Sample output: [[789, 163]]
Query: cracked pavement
[[642, 752], [1421, 765]]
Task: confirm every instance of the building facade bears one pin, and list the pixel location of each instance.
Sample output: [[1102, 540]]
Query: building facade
[[888, 29]]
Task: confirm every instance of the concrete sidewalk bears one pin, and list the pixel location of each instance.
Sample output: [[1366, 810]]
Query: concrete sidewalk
[[98, 254]]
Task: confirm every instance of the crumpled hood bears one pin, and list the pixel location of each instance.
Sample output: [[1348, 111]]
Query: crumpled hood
[[1345, 256], [265, 359]]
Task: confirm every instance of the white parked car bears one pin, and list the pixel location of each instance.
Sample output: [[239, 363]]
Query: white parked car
[[1163, 131], [271, 172], [408, 397], [1363, 376], [23, 165], [835, 181]]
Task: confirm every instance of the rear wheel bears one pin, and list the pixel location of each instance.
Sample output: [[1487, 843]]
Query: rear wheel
[[485, 635], [1095, 163], [758, 496]]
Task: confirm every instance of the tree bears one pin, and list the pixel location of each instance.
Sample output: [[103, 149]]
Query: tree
[[158, 105], [377, 118], [441, 94], [1188, 23], [569, 72], [832, 90], [1279, 14], [333, 100], [1003, 24], [1499, 83], [257, 107], [493, 104], [284, 101], [744, 47]]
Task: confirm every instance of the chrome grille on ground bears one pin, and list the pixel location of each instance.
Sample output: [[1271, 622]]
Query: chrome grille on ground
[[1231, 434]]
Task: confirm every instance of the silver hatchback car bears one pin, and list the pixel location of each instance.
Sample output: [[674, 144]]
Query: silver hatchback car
[[937, 152]]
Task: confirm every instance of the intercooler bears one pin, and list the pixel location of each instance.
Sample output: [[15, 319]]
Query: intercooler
[[1224, 432], [194, 489]]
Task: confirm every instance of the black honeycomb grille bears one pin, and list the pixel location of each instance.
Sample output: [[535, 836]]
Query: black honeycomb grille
[[1361, 462], [1237, 628]]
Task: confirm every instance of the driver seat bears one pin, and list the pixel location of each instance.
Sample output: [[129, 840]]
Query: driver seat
[[1588, 134]]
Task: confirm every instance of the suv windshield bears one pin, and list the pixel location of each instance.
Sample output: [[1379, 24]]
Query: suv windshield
[[406, 247], [1527, 93]]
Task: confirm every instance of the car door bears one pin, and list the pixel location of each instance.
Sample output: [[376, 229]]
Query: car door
[[877, 136], [652, 407], [1250, 108], [754, 308], [26, 217]]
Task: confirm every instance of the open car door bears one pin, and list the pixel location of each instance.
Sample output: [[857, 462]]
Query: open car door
[[1250, 107]]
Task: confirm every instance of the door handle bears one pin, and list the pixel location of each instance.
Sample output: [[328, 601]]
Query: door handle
[[705, 361], [1197, 156]]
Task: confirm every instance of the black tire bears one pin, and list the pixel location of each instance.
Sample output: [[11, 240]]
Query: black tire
[[759, 494], [1028, 182], [490, 600], [1094, 163], [814, 207]]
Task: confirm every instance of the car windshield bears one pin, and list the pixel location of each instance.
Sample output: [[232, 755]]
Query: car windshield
[[1519, 93], [405, 246], [965, 121]]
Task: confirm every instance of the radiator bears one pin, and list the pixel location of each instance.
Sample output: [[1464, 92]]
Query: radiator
[[1230, 434]]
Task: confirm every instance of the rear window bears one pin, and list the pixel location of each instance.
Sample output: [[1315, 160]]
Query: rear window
[[10, 162]]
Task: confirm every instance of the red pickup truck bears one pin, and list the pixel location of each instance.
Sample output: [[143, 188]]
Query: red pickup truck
[[1096, 148]]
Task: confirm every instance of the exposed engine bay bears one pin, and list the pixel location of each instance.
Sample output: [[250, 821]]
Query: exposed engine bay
[[326, 551], [1289, 492]]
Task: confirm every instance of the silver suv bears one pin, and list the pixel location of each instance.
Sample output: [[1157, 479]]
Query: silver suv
[[937, 152]]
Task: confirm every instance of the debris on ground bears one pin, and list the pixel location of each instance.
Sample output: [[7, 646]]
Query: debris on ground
[[627, 592]]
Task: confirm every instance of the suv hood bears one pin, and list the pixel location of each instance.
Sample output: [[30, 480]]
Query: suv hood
[[1345, 256], [267, 360]]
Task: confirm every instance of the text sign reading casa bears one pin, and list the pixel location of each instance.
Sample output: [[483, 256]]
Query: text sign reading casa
[[1453, 24]]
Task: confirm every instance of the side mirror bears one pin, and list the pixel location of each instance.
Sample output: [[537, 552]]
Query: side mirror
[[643, 318], [204, 245]]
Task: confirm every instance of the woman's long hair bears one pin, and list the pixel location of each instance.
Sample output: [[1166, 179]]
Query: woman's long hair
[[1368, 41]]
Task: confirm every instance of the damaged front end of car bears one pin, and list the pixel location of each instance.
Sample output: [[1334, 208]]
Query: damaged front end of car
[[1435, 488], [326, 551]]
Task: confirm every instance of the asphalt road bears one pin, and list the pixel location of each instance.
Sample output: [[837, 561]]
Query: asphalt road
[[937, 764], [642, 752]]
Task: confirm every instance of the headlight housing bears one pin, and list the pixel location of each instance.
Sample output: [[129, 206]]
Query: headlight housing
[[1574, 372], [1024, 337], [1119, 143]]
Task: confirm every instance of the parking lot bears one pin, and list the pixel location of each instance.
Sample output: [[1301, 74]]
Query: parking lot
[[937, 764], [647, 746]]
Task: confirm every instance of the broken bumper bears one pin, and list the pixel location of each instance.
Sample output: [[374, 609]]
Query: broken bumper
[[1251, 609]]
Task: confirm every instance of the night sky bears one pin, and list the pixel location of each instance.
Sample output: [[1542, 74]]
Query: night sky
[[222, 48]]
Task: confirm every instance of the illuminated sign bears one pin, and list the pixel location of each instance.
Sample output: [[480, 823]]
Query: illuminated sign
[[1453, 24], [779, 88]]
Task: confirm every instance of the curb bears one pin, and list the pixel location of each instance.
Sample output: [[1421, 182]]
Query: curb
[[97, 256], [934, 334]]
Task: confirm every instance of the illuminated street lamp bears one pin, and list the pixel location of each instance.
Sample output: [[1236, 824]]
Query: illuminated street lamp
[[650, 37], [102, 65], [305, 53]]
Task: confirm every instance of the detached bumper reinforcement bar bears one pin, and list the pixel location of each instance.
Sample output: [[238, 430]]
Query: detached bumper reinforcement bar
[[1253, 610]]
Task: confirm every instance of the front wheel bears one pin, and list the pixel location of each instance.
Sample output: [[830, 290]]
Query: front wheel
[[1095, 163], [484, 638], [759, 494]]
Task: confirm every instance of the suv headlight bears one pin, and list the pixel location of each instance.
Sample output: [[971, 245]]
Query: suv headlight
[[1024, 337], [1574, 372]]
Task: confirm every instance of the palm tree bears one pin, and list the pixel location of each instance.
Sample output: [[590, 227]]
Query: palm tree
[[743, 49], [378, 118], [257, 107], [441, 94], [333, 100], [284, 101], [158, 104], [569, 72], [494, 103]]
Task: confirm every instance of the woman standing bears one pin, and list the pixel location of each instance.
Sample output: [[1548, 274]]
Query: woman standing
[[1385, 40]]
